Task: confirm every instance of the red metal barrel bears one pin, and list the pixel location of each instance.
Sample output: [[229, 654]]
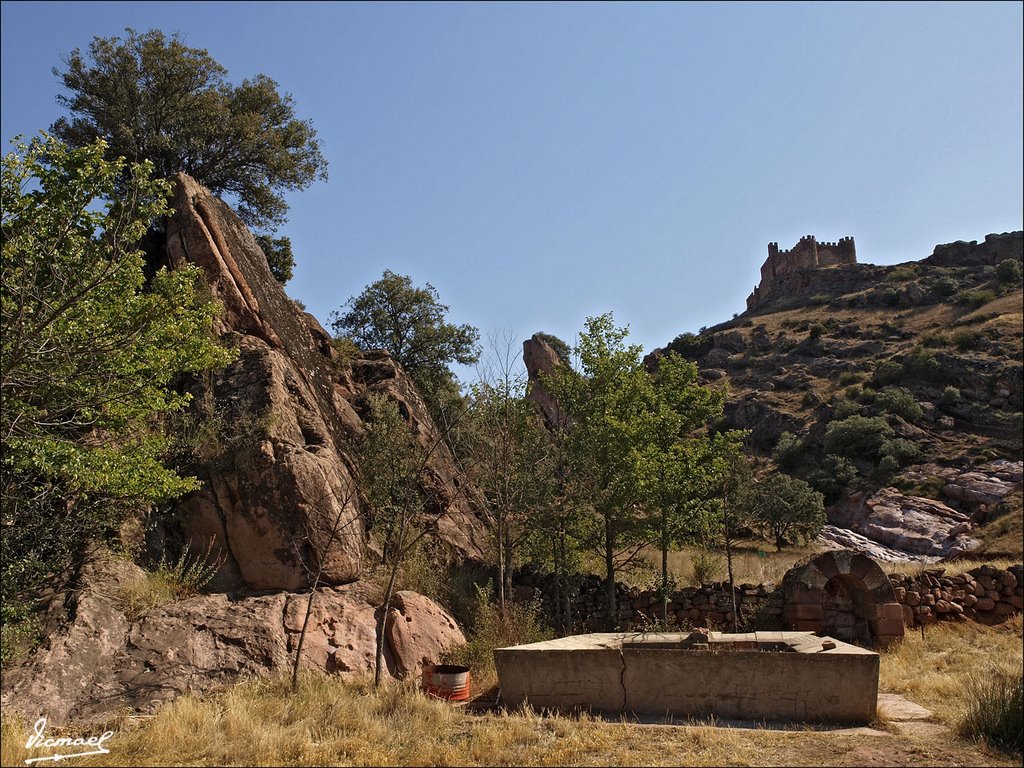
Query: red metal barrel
[[446, 681]]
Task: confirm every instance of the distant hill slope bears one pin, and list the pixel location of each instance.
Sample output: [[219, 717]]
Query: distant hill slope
[[907, 376]]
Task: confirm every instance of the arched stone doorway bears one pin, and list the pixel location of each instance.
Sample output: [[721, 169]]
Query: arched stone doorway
[[843, 594]]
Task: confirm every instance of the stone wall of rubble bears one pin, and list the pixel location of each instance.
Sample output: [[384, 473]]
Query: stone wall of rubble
[[985, 594]]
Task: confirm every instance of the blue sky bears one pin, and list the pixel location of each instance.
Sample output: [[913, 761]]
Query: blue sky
[[539, 163]]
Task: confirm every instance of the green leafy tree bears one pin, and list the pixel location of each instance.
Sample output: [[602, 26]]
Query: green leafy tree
[[280, 259], [787, 508], [88, 354], [153, 98], [409, 322], [673, 457], [606, 404], [731, 512]]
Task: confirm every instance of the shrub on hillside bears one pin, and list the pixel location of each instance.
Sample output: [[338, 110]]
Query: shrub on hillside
[[899, 403], [857, 437], [901, 450], [888, 372], [944, 287], [950, 397], [976, 298], [966, 338], [691, 345], [844, 409], [1008, 272], [833, 478], [921, 364], [788, 450]]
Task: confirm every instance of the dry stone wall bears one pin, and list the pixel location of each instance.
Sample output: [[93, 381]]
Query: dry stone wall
[[984, 594], [987, 595]]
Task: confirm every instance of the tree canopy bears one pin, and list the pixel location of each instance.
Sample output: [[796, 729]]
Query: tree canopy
[[787, 508], [153, 98], [88, 350], [409, 322]]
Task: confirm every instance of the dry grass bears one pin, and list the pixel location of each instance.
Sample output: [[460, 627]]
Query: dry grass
[[753, 563], [331, 721], [935, 671]]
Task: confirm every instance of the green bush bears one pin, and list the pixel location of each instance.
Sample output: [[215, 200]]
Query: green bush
[[850, 377], [932, 340], [690, 345], [950, 397], [976, 298], [819, 299], [966, 338], [888, 372], [944, 287], [1008, 272], [788, 450], [920, 363], [994, 708], [901, 450], [833, 478], [857, 436], [891, 296], [888, 464], [816, 330], [899, 403], [170, 582], [903, 273], [844, 409], [489, 629]]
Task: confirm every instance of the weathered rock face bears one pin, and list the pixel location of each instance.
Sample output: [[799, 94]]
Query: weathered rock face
[[271, 502], [101, 661], [540, 359], [976, 491], [834, 537], [995, 248], [453, 498], [908, 523]]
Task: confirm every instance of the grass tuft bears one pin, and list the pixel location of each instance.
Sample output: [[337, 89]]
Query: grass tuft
[[995, 708]]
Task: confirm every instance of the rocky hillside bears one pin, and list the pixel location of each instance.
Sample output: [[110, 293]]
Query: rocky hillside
[[896, 390], [272, 438]]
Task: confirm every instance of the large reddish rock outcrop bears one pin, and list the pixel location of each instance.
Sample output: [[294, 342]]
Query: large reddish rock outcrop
[[907, 523], [279, 504], [540, 359], [101, 661], [286, 478]]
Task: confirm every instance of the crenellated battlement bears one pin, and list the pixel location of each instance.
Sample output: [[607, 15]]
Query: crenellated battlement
[[808, 253]]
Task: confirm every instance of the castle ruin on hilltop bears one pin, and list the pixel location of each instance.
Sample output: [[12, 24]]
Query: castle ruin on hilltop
[[808, 253]]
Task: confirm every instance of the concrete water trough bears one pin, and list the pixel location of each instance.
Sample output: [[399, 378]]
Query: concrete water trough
[[779, 676]]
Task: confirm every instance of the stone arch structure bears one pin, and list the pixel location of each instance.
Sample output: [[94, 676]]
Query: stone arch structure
[[844, 594]]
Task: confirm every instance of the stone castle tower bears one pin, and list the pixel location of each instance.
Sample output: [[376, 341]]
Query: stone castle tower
[[808, 253]]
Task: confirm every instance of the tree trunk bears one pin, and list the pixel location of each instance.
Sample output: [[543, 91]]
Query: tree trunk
[[732, 583], [664, 569], [609, 563], [382, 622], [500, 543], [302, 636], [507, 586]]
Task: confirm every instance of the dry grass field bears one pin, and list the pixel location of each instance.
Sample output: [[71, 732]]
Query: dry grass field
[[329, 721]]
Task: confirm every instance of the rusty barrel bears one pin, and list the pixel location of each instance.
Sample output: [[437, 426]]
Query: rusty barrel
[[446, 681]]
